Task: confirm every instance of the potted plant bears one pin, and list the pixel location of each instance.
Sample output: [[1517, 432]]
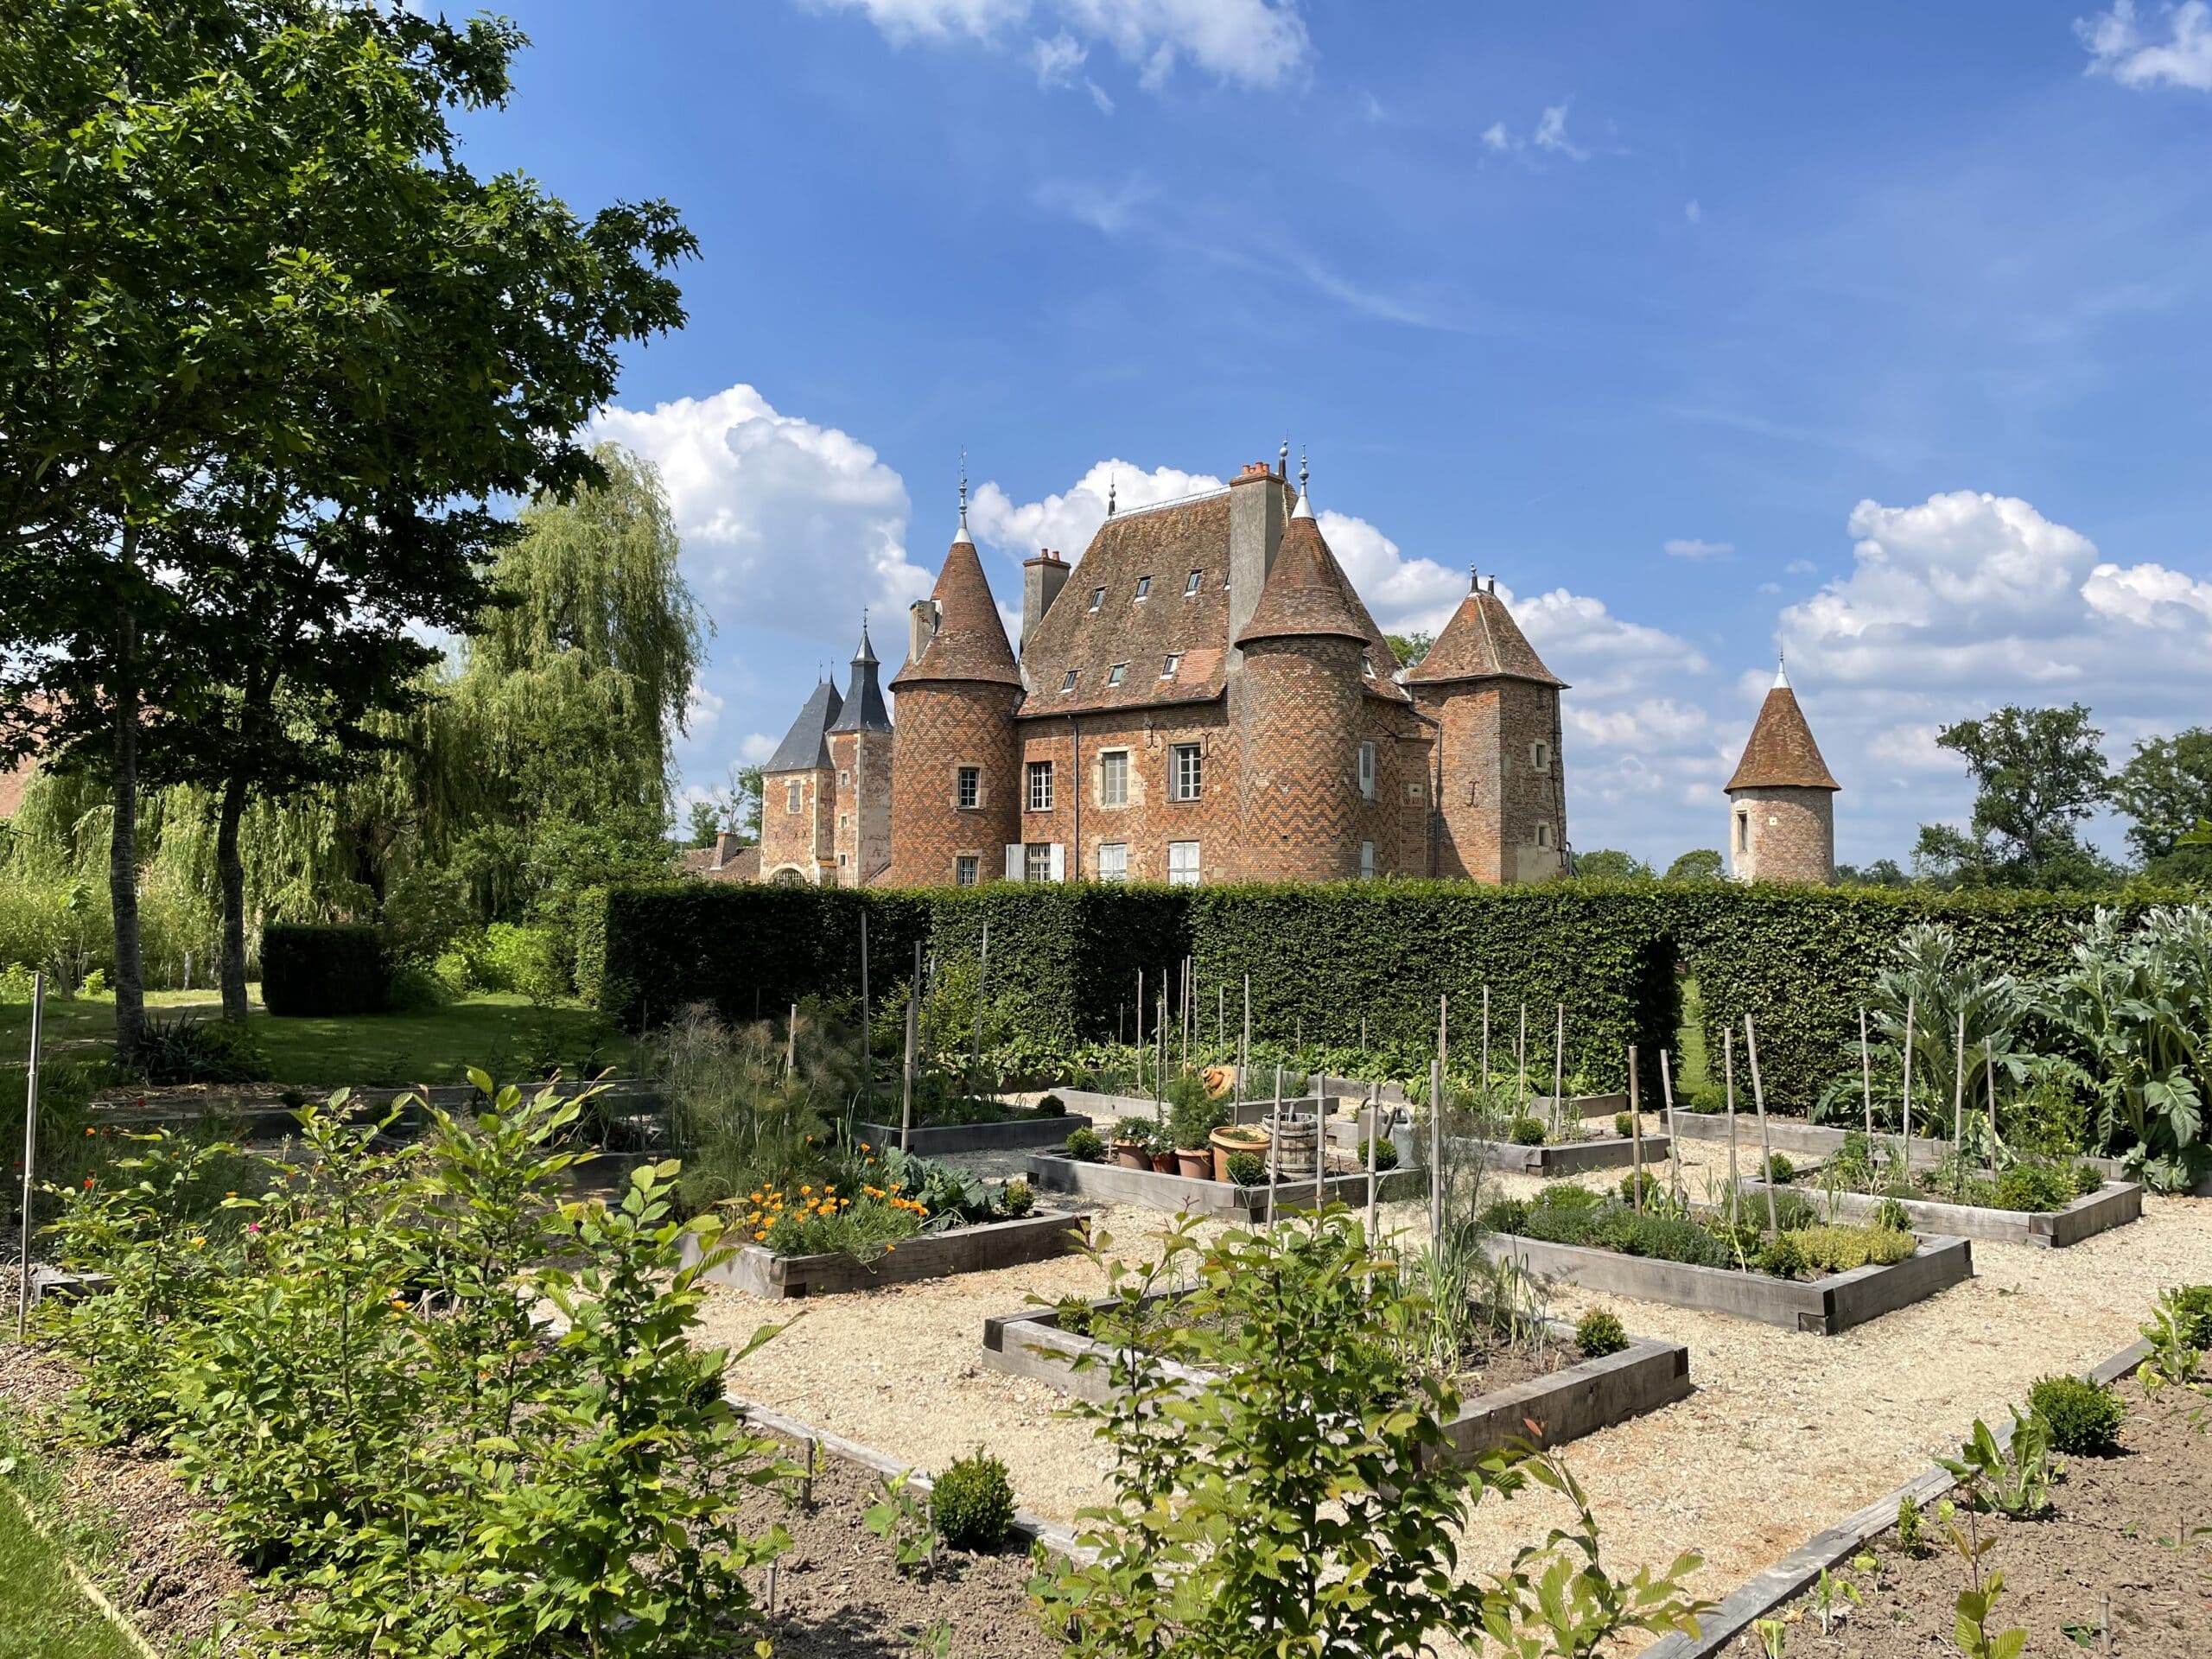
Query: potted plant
[[1163, 1152], [1230, 1139], [1192, 1121], [1133, 1143]]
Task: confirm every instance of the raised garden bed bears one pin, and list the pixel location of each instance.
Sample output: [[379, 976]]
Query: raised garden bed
[[761, 1272], [1822, 1306], [2114, 1204], [1568, 1157], [1575, 1401], [1022, 1128], [1110, 1183], [1579, 1105]]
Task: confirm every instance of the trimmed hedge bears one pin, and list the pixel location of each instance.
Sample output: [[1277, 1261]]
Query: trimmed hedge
[[324, 971], [1063, 959]]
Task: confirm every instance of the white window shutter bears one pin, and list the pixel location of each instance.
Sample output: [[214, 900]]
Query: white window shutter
[[1013, 861], [1059, 861]]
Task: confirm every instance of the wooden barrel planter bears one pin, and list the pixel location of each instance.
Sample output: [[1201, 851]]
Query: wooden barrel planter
[[1296, 1139]]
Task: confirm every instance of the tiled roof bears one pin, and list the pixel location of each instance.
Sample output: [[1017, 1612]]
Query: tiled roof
[[1305, 592], [805, 748], [1782, 754], [1482, 642], [743, 865], [864, 710], [1167, 543], [971, 641]]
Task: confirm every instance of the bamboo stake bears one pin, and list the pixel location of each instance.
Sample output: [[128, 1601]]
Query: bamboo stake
[[1635, 1132], [906, 1072], [1486, 1040], [30, 1155], [1958, 1114], [1244, 1042], [1766, 1147], [1905, 1139], [1989, 1071], [1138, 1041], [1520, 1060], [1374, 1133], [1728, 1060], [1435, 1152], [983, 974], [1274, 1149], [791, 1043], [867, 1054], [1866, 1081], [1674, 1141], [1558, 1072], [1220, 1018]]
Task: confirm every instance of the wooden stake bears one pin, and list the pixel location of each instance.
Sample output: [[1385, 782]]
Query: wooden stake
[[1274, 1149], [1244, 1042], [1521, 1061], [1374, 1133], [907, 1071], [1866, 1081], [1486, 1040], [806, 1486], [1766, 1147], [982, 973], [1959, 1112], [1435, 1152], [867, 1054], [1558, 1072], [30, 1155], [1905, 1139], [1989, 1072], [1635, 1132], [1728, 1061], [1674, 1141], [791, 1043]]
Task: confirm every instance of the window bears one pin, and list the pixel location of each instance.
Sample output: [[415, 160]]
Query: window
[[1540, 756], [1113, 860], [1037, 861], [1144, 587], [1097, 597], [840, 780], [1192, 586], [1040, 785], [1067, 681], [964, 870], [1543, 835], [971, 787], [844, 821], [1367, 664], [1174, 660], [1114, 674], [1114, 777], [1367, 770], [841, 859], [1742, 832], [1367, 860], [1182, 863], [1185, 774], [791, 798]]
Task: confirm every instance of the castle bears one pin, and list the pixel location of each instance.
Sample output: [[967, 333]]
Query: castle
[[1782, 797], [1210, 700]]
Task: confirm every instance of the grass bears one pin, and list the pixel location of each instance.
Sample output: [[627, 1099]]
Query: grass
[[1693, 1060], [500, 1033], [43, 1615]]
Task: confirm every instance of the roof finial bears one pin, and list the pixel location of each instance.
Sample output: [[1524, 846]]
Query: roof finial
[[963, 535], [1110, 487], [1474, 580], [1781, 678], [1301, 468], [1282, 458]]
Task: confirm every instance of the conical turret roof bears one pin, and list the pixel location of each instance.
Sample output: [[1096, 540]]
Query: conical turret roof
[[1482, 642], [1782, 754], [971, 641], [864, 710], [805, 748], [1307, 593]]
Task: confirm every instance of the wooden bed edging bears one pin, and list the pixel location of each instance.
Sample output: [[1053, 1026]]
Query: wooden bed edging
[[936, 1140], [1581, 1399], [1111, 1183], [761, 1272], [1568, 1158], [1772, 1586], [2114, 1204], [1822, 1307]]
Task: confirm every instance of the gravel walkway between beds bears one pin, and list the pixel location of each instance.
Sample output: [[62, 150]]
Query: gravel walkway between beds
[[1783, 1434]]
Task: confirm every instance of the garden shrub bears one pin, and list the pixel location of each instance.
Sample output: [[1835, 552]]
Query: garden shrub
[[1084, 1147], [2083, 1417], [1780, 1170], [1890, 1216], [325, 971], [1566, 1195], [1017, 1199], [187, 1049], [1052, 1106], [1791, 1210], [972, 1502], [1841, 1250], [1598, 1333], [1247, 1169], [1624, 1126], [1382, 1149], [1643, 1178], [2036, 1186], [2192, 1307], [1506, 1216], [1781, 1256], [1527, 1132]]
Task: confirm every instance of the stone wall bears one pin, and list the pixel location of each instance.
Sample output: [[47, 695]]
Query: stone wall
[[797, 840], [1782, 834]]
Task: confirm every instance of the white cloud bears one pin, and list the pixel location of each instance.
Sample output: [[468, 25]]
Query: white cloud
[[1107, 212], [1693, 212], [1495, 137], [1402, 594], [755, 748], [1099, 96], [1800, 567], [1057, 59], [2119, 47], [1066, 522], [1693, 548], [2149, 595], [1254, 43], [1551, 134], [776, 512]]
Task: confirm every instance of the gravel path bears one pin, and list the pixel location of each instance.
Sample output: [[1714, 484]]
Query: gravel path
[[1784, 1433]]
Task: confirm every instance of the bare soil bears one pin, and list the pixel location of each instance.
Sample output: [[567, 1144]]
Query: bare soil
[[2129, 1539]]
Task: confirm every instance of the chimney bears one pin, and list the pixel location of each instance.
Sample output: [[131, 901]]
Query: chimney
[[1042, 578], [1259, 506], [726, 845], [921, 627]]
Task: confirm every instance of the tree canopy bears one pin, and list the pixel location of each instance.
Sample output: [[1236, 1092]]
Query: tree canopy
[[2038, 774]]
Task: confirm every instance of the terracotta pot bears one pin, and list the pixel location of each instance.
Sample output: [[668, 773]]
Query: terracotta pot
[[1195, 1166], [1132, 1154], [1228, 1141], [1164, 1162]]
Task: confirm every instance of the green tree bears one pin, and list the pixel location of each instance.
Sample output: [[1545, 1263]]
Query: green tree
[[1409, 648], [1704, 864], [1882, 873], [1605, 864], [733, 809], [2166, 787], [239, 244], [2038, 774]]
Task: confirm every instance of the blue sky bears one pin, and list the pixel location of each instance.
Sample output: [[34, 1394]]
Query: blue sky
[[1877, 333]]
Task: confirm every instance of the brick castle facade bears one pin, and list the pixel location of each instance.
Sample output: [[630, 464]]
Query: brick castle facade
[[1203, 696]]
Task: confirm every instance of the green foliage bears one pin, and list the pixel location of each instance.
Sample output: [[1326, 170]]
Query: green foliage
[[2083, 1417], [972, 1502], [1052, 1106], [2166, 787], [1703, 864], [1598, 1333], [1084, 1147], [2036, 1186], [1607, 865], [1842, 1250], [1247, 1169], [1525, 1131], [2177, 1323], [1380, 1151], [903, 1521], [1971, 1627], [1912, 1530], [1192, 1118], [1890, 1216], [2038, 774], [322, 972], [187, 1049], [2192, 1306], [2014, 1479], [1780, 1170], [1783, 1256]]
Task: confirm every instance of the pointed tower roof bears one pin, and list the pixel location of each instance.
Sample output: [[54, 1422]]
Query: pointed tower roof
[[805, 748], [1306, 591], [864, 709], [1782, 754], [1482, 642], [971, 641]]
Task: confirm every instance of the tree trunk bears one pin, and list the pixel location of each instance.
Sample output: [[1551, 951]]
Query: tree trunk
[[230, 871], [123, 845]]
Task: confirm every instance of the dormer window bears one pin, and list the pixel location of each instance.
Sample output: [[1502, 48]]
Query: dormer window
[[1116, 674], [1192, 586], [1067, 681], [1144, 587], [1167, 668], [1097, 597], [1367, 664]]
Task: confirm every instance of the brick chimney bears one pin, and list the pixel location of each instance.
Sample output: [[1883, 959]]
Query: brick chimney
[[727, 845], [921, 629], [1259, 505], [1042, 578]]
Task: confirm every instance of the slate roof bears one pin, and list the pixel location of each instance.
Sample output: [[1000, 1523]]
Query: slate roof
[[971, 640], [742, 865], [805, 748], [1782, 754], [1167, 542], [1481, 642], [864, 710]]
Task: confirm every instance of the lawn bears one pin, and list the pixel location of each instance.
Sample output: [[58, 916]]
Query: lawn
[[43, 1615], [501, 1032]]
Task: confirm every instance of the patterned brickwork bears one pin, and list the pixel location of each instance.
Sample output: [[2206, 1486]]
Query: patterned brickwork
[[1298, 716], [1151, 817], [1494, 796], [1782, 834], [800, 843], [863, 760], [942, 727], [1397, 820]]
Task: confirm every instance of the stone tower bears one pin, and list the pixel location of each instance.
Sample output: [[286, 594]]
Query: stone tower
[[1781, 800], [955, 773], [1501, 798], [1297, 708], [859, 748], [798, 795]]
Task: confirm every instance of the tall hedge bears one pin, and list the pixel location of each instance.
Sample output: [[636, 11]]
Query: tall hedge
[[324, 971]]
